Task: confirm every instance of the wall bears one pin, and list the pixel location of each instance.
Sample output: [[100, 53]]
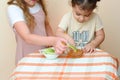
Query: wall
[[108, 10], [56, 9], [7, 44]]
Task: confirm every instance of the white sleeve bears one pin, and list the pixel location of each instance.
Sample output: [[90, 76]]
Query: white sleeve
[[15, 14], [64, 22], [99, 24]]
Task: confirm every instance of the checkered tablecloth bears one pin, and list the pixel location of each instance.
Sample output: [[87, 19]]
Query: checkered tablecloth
[[99, 65]]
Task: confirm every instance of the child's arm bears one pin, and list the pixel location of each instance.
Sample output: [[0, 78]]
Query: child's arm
[[99, 38], [22, 29], [49, 30], [61, 33]]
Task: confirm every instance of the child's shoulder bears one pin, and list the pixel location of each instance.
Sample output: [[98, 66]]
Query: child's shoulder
[[94, 14], [68, 15], [14, 8]]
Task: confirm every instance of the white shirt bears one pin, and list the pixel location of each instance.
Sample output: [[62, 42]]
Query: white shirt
[[82, 33], [15, 13]]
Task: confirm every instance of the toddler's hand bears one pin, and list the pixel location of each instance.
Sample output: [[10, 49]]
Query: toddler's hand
[[89, 48], [59, 46], [71, 41]]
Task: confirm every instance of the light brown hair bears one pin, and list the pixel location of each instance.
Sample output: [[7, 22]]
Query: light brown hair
[[29, 18]]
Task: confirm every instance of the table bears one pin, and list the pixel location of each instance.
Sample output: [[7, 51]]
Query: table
[[99, 65]]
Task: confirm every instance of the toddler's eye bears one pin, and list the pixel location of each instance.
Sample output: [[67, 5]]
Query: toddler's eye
[[87, 15], [78, 14]]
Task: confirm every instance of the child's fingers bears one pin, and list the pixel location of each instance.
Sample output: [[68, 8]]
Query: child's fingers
[[91, 50], [58, 51], [88, 50]]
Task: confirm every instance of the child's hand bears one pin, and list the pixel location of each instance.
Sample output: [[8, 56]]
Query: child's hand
[[59, 46], [71, 41], [89, 48]]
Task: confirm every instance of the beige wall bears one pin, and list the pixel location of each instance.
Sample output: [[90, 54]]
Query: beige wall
[[7, 44], [108, 10]]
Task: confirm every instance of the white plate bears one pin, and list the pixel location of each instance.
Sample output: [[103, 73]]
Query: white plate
[[49, 55]]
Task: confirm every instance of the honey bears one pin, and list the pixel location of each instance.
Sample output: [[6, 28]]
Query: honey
[[75, 54]]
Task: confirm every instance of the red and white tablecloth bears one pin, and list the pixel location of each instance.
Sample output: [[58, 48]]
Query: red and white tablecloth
[[99, 65]]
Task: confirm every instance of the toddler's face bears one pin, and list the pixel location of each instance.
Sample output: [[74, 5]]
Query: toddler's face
[[30, 3], [81, 15]]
